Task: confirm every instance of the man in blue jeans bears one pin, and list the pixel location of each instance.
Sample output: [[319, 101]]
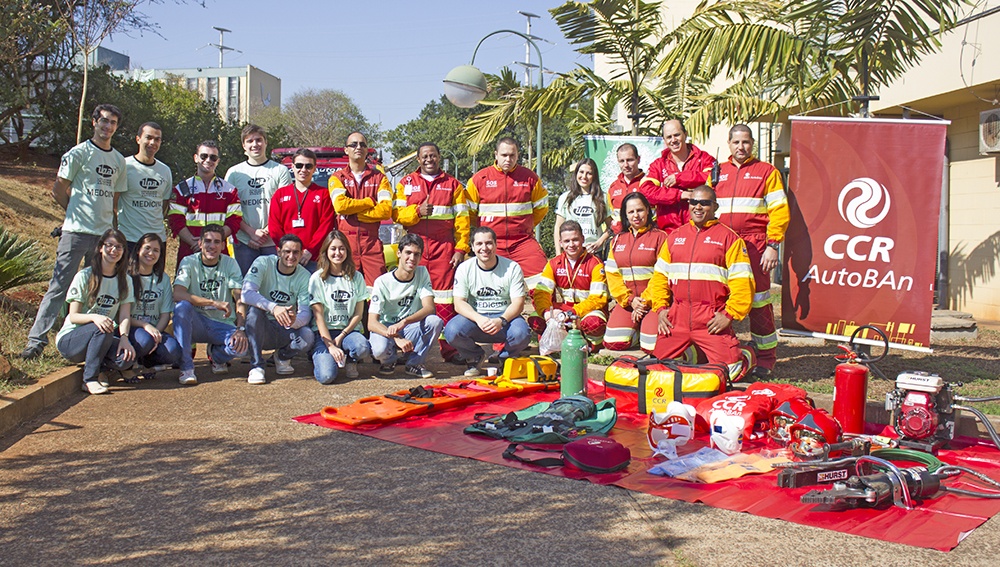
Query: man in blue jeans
[[401, 314], [276, 289], [489, 299], [208, 309]]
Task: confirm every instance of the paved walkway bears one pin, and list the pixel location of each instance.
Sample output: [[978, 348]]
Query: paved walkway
[[219, 474]]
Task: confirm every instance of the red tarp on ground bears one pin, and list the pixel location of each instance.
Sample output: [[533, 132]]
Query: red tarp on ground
[[940, 523]]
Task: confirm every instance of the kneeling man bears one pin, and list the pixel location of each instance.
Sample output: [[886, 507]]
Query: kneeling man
[[276, 289], [704, 275], [401, 315], [489, 299], [208, 309], [573, 282]]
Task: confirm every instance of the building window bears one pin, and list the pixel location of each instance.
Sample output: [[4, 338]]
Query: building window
[[213, 89], [192, 84], [234, 98]]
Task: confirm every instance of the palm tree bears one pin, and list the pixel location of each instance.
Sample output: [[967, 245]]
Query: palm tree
[[801, 54], [629, 33]]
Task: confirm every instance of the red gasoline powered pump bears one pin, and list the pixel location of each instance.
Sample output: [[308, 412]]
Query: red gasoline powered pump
[[850, 383]]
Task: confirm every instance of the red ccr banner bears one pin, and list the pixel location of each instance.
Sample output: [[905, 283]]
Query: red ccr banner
[[862, 243]]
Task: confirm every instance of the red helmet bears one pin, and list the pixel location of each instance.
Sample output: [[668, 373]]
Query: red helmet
[[784, 416], [812, 431]]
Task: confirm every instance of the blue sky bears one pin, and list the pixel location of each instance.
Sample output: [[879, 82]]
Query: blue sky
[[389, 56]]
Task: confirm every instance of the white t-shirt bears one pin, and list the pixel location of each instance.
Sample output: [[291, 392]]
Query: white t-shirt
[[140, 208], [394, 300], [339, 296], [255, 185], [581, 210], [155, 299], [281, 290], [107, 303], [489, 292], [95, 175]]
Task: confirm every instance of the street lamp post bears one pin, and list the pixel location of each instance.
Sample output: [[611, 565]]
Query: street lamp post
[[465, 86]]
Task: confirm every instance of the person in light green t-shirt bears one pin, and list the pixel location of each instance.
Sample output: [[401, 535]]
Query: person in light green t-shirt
[[401, 315], [256, 180], [276, 289], [100, 299], [338, 302], [208, 308], [154, 305], [149, 184], [90, 173]]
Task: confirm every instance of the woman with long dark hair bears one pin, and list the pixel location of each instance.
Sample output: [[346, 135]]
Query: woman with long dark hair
[[154, 305], [338, 303], [99, 309], [584, 202], [629, 268]]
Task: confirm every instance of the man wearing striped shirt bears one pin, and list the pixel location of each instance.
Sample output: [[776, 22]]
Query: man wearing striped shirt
[[701, 283], [202, 200]]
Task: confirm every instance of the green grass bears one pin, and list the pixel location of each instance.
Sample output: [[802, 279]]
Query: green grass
[[14, 326]]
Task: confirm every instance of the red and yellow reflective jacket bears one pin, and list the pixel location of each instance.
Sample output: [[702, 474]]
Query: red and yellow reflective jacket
[[361, 207], [449, 218], [704, 269], [583, 286], [617, 191], [630, 263], [752, 199], [511, 203], [671, 211]]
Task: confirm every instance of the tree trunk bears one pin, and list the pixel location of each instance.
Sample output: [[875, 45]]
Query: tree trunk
[[83, 95]]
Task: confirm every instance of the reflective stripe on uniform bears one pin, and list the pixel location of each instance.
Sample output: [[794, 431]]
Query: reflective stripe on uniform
[[504, 209], [636, 273], [761, 299], [740, 270], [338, 191], [383, 195], [445, 296], [697, 272], [775, 198], [746, 205], [531, 281], [545, 284], [765, 342], [619, 335], [647, 342]]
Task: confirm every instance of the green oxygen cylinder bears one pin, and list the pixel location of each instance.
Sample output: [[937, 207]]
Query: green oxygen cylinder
[[574, 364]]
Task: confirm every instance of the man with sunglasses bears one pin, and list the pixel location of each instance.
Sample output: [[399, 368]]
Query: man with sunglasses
[[362, 199], [90, 175], [701, 283], [752, 202], [303, 209], [202, 200], [256, 180]]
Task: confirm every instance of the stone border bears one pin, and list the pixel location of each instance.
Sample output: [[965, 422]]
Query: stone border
[[24, 404]]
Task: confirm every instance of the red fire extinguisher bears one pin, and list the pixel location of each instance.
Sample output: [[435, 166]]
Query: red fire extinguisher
[[850, 382]]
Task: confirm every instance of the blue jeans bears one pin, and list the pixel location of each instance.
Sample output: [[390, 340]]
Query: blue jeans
[[354, 345], [94, 348], [244, 255], [167, 353], [264, 333], [73, 248], [191, 327], [463, 334], [422, 334]]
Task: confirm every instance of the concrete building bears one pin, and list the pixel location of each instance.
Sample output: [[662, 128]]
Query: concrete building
[[241, 92]]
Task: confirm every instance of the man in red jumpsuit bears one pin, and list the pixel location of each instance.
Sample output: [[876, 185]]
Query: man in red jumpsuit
[[362, 199], [510, 199], [202, 200], [752, 202], [628, 181], [680, 168], [303, 209], [431, 203], [704, 276]]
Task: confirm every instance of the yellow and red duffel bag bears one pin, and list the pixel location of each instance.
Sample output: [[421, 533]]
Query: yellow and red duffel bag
[[647, 385]]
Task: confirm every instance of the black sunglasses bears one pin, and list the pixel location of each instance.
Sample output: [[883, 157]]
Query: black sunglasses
[[300, 165], [702, 202], [209, 157], [357, 145]]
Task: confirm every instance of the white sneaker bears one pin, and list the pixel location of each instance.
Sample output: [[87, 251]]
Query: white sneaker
[[283, 366], [187, 377], [102, 378], [256, 376], [94, 387], [474, 369], [220, 368], [351, 370]]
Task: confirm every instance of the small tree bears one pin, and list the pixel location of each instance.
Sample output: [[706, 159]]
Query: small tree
[[325, 118]]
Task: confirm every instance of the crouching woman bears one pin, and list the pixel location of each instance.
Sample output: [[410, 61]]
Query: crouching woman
[[100, 300]]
